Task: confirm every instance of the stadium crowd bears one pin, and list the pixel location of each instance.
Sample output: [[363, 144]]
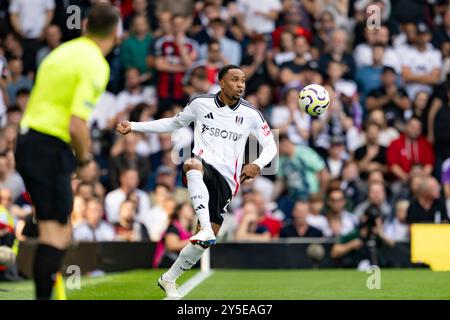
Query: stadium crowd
[[380, 156]]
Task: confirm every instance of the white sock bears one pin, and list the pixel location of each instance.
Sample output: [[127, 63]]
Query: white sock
[[187, 258], [199, 197]]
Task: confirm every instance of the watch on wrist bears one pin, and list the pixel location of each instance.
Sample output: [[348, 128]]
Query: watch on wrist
[[85, 161]]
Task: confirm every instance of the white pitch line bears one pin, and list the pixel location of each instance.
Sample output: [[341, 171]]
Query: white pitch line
[[191, 284]]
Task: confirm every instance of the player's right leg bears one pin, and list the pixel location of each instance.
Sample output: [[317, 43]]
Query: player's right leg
[[199, 195]]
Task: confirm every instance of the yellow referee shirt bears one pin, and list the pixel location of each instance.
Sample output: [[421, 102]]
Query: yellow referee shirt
[[69, 82]]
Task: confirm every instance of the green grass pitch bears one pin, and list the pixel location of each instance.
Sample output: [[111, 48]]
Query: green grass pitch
[[258, 285]]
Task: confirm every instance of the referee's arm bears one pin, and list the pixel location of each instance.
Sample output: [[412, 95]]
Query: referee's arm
[[83, 103]]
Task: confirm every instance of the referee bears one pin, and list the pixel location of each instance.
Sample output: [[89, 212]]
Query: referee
[[54, 137]]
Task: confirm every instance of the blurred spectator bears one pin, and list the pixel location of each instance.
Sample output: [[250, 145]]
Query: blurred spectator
[[134, 94], [139, 8], [85, 190], [127, 228], [202, 76], [216, 30], [340, 221], [78, 212], [16, 80], [336, 157], [411, 152], [397, 229], [371, 156], [428, 207], [421, 63], [364, 53], [255, 65], [325, 26], [53, 37], [250, 228], [445, 178], [292, 70], [9, 178], [128, 157], [300, 227], [129, 181], [301, 171], [361, 247], [22, 97], [368, 76], [337, 121], [389, 97], [376, 198], [174, 54], [135, 49], [286, 51], [258, 17], [94, 228], [337, 51], [156, 219], [442, 33], [30, 22], [288, 118], [387, 133], [316, 216], [351, 184], [176, 237], [176, 7], [438, 130]]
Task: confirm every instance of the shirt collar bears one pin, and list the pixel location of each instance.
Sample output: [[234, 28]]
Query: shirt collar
[[220, 104]]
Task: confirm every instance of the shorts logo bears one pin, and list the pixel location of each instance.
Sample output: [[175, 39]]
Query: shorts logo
[[239, 120], [200, 207]]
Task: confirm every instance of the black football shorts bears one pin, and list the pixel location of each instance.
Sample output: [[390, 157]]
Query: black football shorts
[[46, 165]]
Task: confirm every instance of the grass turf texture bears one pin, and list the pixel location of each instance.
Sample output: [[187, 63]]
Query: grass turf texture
[[259, 285]]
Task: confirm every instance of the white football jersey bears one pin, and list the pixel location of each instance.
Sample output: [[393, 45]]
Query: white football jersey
[[221, 133]]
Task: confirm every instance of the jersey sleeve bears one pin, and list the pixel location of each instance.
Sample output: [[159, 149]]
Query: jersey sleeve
[[87, 92], [165, 125], [264, 135]]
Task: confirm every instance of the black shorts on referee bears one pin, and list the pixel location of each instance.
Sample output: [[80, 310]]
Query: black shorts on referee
[[46, 165], [219, 191]]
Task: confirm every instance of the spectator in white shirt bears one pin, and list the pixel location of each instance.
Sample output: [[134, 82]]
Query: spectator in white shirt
[[230, 49], [259, 16], [94, 228], [398, 229], [340, 221], [29, 18], [363, 53], [289, 118], [129, 181], [133, 94], [157, 219], [421, 64], [316, 217]]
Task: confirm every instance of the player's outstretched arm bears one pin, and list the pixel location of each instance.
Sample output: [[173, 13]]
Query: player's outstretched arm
[[165, 125]]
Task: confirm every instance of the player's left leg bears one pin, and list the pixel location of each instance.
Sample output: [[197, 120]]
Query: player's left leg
[[187, 258]]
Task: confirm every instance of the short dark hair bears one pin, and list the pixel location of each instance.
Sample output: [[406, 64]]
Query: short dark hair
[[224, 70], [102, 19]]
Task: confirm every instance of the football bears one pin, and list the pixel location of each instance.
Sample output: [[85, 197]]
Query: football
[[314, 99]]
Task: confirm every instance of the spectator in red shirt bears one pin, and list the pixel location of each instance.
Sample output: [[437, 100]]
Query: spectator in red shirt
[[410, 153], [174, 54]]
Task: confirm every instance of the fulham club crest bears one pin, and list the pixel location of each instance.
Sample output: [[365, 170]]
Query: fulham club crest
[[239, 120]]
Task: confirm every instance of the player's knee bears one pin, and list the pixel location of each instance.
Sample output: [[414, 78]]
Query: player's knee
[[192, 164]]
